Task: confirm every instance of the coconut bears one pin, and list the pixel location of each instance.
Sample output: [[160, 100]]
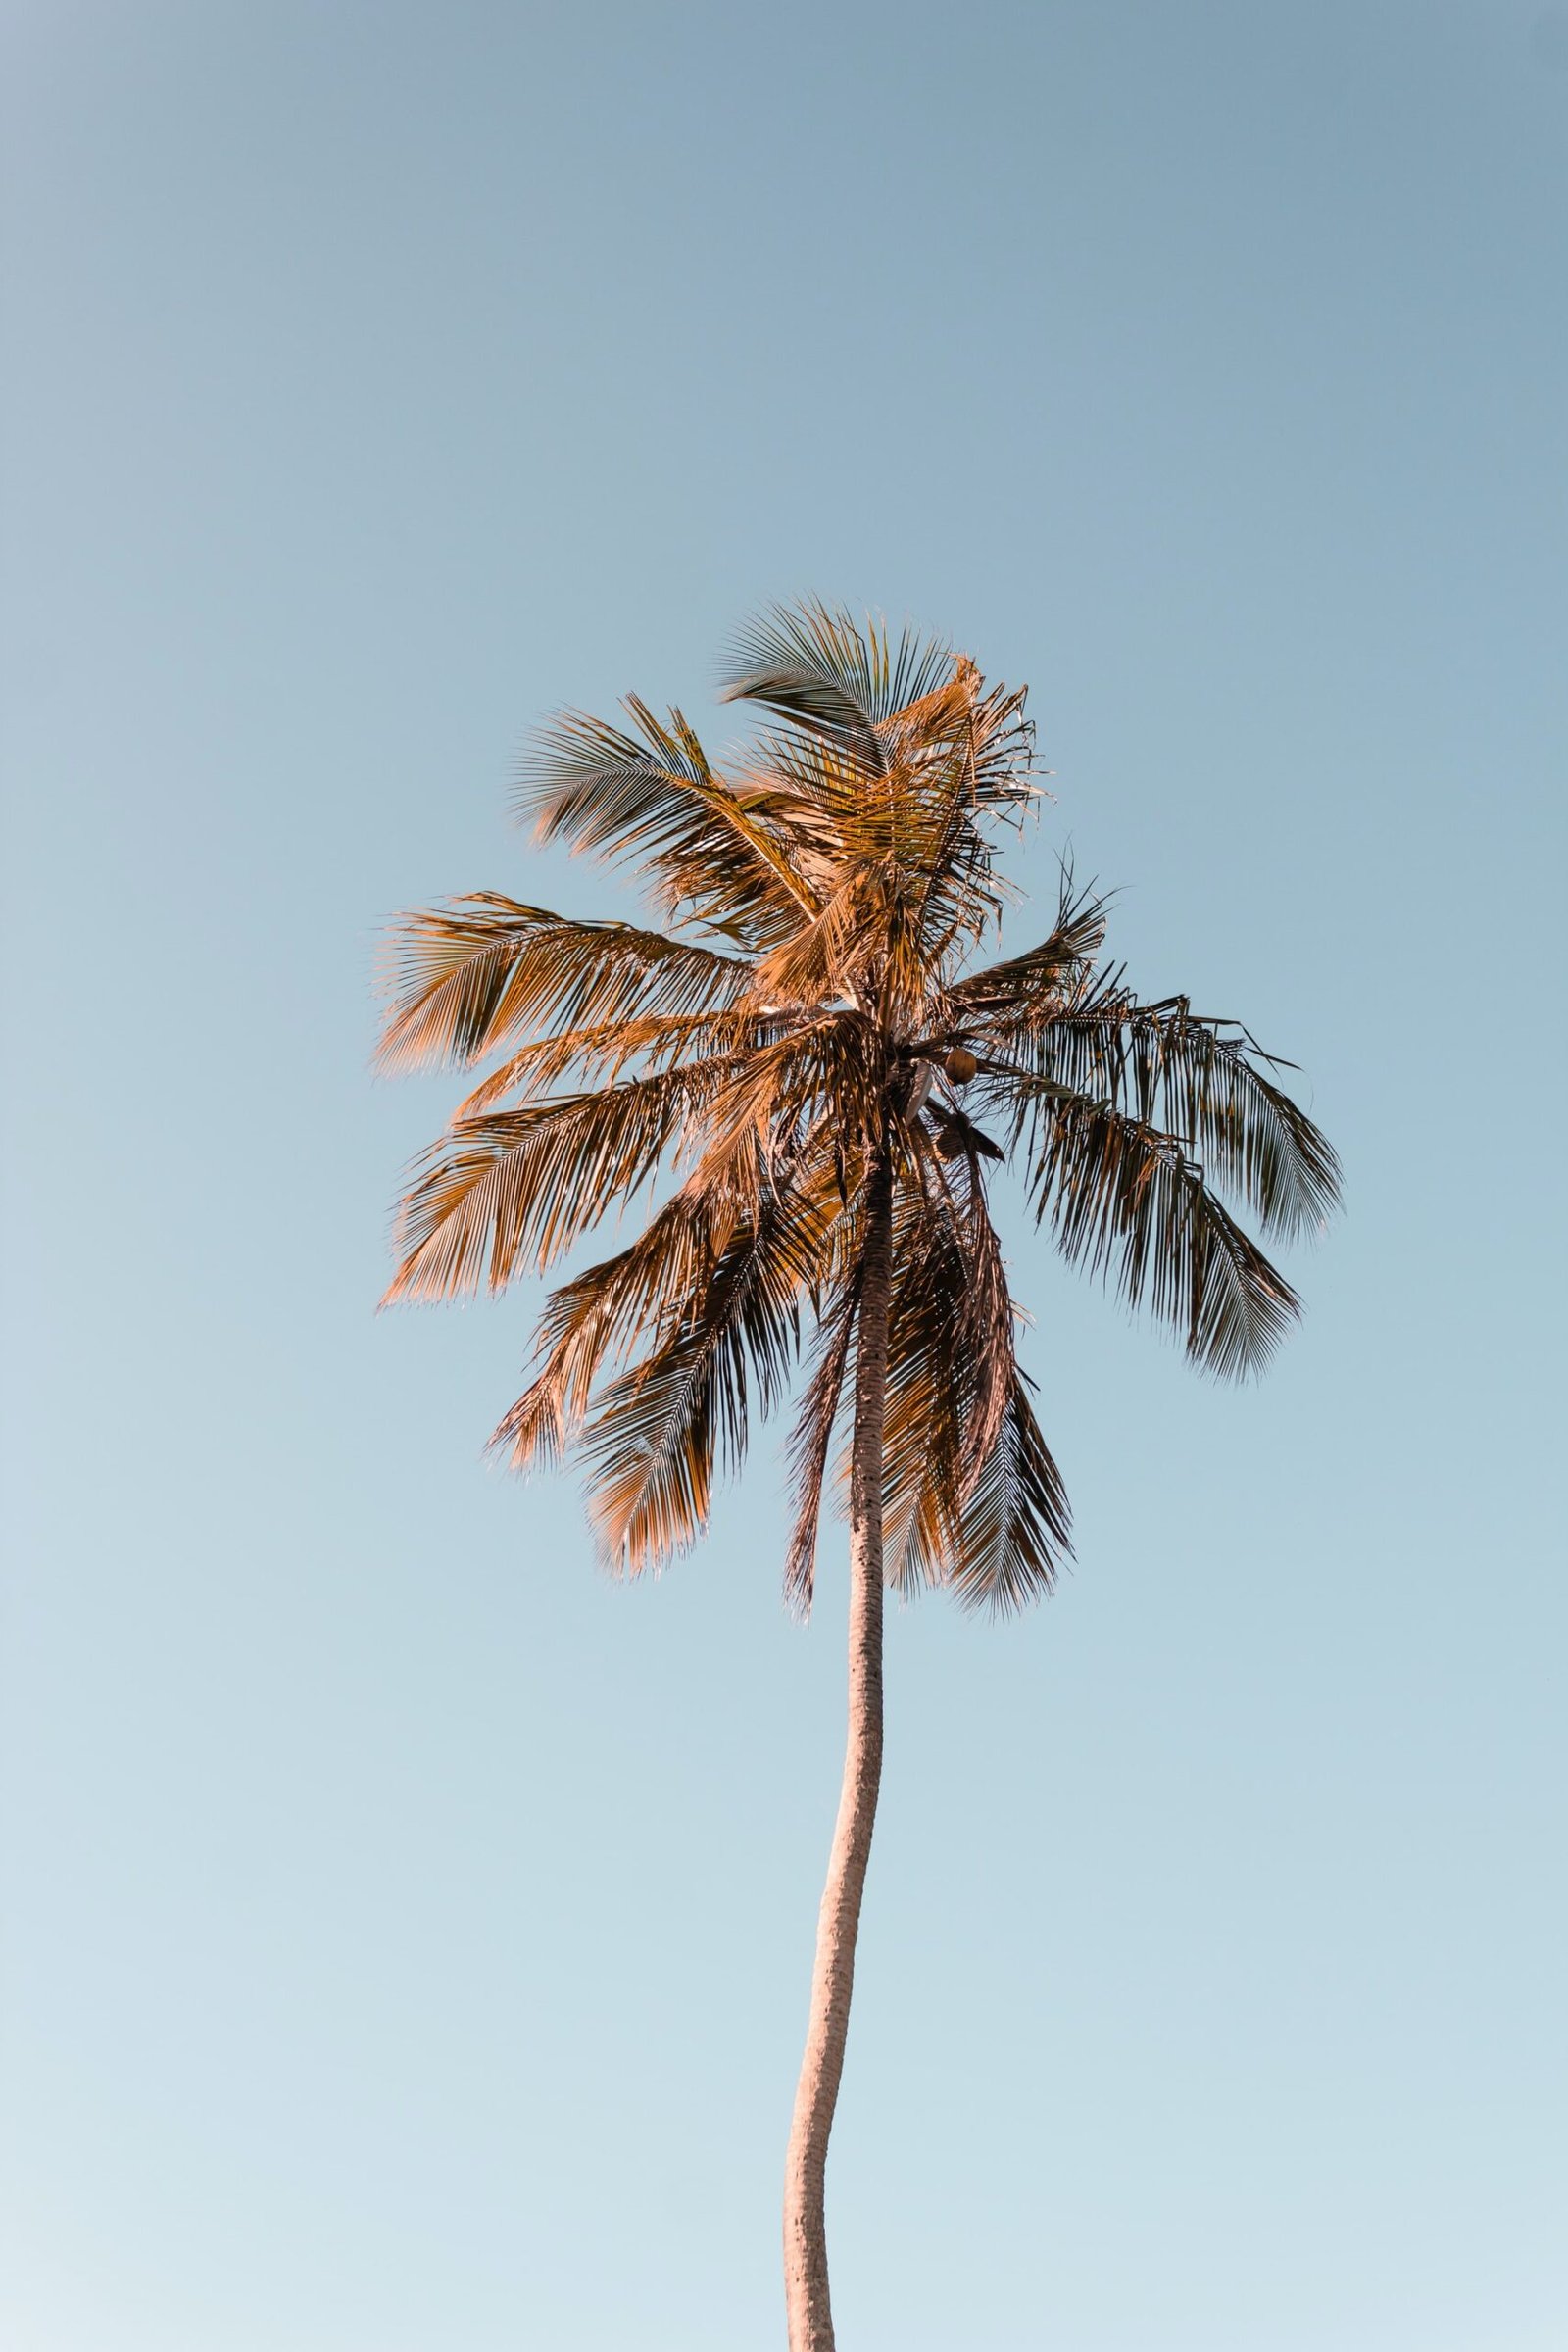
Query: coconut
[[960, 1065]]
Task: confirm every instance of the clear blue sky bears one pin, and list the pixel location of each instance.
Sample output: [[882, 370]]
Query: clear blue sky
[[409, 1931]]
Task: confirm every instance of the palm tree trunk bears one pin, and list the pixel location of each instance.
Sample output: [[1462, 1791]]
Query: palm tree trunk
[[806, 2288]]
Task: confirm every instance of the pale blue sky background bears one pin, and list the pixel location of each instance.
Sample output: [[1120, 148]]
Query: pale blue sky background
[[408, 1931]]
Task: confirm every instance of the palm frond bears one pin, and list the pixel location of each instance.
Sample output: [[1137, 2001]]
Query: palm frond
[[654, 800], [598, 1055], [818, 669], [599, 1316], [828, 957], [1202, 1080], [665, 1426], [950, 1371], [816, 1079], [511, 1190], [1015, 1532], [1024, 993], [971, 767], [464, 978], [1124, 1200]]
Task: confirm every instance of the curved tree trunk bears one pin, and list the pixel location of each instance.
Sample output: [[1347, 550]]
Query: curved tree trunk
[[806, 2288]]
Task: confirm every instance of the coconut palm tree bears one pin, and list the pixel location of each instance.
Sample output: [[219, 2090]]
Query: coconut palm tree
[[803, 1065]]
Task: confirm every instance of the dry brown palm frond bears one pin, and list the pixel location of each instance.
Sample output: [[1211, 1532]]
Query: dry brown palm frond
[[815, 1078], [971, 1499], [951, 1363]]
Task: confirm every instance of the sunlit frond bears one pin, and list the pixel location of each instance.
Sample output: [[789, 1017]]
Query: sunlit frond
[[510, 1190], [601, 1054], [972, 770], [665, 1426], [712, 856], [603, 1314], [465, 979], [819, 1078], [828, 957]]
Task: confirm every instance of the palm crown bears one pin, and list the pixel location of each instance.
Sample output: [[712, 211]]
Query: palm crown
[[806, 1045]]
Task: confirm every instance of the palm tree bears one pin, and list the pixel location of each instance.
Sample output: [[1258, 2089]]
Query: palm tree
[[807, 1052]]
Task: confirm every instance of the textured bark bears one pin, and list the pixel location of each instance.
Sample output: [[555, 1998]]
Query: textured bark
[[806, 2284]]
